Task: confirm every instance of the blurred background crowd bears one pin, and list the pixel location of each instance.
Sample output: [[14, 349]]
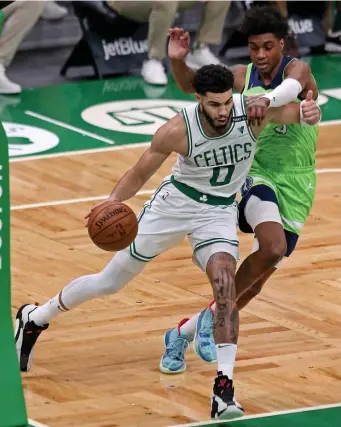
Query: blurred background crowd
[[46, 42]]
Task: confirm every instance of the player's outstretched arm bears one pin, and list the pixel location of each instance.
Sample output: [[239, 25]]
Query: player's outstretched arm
[[307, 113], [178, 49], [171, 137], [300, 71], [148, 164], [298, 81]]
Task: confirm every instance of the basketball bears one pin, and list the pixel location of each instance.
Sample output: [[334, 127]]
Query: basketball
[[112, 226]]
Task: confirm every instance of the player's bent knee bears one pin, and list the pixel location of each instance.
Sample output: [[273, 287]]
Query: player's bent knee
[[274, 252]]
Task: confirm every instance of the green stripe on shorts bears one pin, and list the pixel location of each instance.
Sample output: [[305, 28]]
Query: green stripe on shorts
[[216, 240]]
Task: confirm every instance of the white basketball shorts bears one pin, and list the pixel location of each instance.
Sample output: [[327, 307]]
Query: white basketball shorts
[[169, 215]]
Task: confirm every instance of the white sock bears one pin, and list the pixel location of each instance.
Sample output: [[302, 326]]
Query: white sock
[[190, 326], [226, 357], [120, 271]]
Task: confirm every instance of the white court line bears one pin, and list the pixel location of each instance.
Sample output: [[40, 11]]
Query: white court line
[[69, 127], [118, 147], [95, 198], [36, 424], [267, 414], [330, 123], [79, 152], [70, 201], [328, 170]]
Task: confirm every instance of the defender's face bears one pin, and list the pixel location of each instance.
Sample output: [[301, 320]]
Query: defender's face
[[216, 107], [265, 51]]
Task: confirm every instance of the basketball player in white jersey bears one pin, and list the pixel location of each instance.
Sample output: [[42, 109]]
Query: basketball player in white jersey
[[215, 147]]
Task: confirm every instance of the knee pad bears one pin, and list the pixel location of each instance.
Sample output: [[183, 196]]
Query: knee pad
[[258, 211], [261, 192]]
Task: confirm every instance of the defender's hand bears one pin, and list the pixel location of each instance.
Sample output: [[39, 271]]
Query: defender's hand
[[311, 112], [179, 43]]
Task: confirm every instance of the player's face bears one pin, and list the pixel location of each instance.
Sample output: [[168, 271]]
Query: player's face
[[217, 108], [265, 51]]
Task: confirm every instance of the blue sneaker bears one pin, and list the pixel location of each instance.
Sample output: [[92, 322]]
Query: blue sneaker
[[173, 360], [204, 344]]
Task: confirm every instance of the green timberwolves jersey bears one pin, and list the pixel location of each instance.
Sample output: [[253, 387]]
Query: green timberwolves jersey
[[217, 166], [281, 147]]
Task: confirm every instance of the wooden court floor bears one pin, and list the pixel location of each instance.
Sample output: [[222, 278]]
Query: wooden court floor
[[97, 366]]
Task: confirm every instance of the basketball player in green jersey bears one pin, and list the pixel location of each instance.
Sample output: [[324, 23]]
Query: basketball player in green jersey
[[279, 191]]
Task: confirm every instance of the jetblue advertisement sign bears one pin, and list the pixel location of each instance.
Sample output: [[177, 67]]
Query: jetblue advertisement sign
[[309, 29], [120, 47]]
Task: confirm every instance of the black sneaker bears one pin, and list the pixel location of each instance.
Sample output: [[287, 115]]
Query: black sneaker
[[333, 42], [26, 335], [223, 404]]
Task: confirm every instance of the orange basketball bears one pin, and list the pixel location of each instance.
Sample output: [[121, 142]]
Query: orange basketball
[[112, 226]]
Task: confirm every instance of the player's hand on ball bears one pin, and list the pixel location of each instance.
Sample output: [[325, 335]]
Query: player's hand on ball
[[93, 208], [112, 225], [311, 112]]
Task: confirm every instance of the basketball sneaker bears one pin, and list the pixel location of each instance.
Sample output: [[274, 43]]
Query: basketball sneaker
[[26, 335], [223, 404], [204, 345], [176, 343]]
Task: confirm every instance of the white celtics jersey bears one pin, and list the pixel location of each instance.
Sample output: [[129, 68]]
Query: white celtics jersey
[[216, 166]]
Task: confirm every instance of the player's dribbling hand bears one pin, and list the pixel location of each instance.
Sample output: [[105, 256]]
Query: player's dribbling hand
[[311, 113], [179, 43], [256, 107], [87, 216]]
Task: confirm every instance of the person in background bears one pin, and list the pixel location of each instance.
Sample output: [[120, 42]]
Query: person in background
[[160, 15], [333, 40], [16, 20], [53, 11]]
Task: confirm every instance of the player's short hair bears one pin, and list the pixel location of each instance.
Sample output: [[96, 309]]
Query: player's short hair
[[213, 78], [264, 19]]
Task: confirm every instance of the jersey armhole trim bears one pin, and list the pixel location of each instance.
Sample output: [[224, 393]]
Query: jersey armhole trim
[[247, 77], [189, 133], [242, 101], [291, 60]]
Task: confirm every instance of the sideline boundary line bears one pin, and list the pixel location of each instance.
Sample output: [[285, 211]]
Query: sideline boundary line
[[36, 424], [265, 415]]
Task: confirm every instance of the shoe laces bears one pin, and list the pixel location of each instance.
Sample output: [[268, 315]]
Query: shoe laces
[[207, 326], [176, 348], [223, 387]]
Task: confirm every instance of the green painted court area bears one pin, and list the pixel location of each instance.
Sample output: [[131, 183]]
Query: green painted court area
[[106, 113]]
